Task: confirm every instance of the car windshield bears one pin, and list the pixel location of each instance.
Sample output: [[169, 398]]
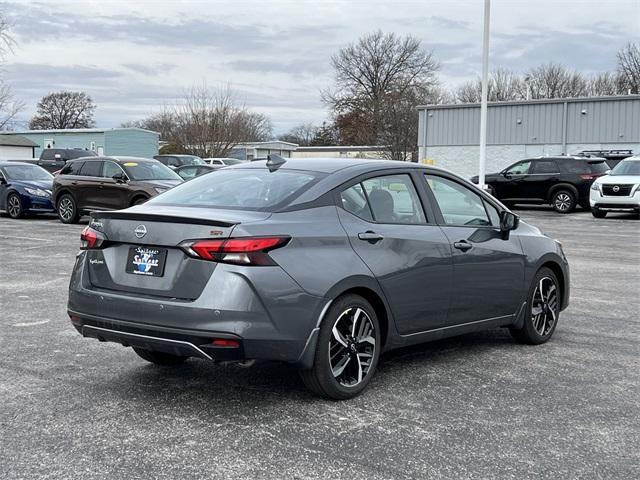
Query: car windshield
[[627, 167], [250, 189], [192, 160], [149, 170], [26, 172]]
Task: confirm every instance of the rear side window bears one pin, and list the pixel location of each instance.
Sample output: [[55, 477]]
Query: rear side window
[[598, 167], [91, 169], [393, 199], [48, 154], [355, 201], [458, 204], [244, 189], [72, 168], [545, 166], [570, 165]]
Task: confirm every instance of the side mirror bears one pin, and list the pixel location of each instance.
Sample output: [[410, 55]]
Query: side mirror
[[506, 174], [3, 181], [120, 177], [508, 221]]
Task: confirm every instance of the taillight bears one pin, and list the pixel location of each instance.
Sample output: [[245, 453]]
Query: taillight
[[91, 239], [591, 176], [240, 251]]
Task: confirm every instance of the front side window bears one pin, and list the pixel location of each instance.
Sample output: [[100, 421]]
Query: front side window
[[520, 168], [458, 204], [110, 169], [393, 199], [545, 166]]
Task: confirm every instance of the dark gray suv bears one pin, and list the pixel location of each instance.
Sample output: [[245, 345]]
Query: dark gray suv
[[324, 263]]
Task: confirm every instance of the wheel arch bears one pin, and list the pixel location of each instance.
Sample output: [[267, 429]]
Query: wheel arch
[[563, 186], [60, 193], [138, 196]]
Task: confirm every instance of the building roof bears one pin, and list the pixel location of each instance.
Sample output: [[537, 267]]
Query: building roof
[[16, 141], [78, 130], [532, 102]]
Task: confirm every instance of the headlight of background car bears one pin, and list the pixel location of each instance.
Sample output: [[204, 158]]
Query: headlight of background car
[[36, 192], [160, 190], [596, 186]]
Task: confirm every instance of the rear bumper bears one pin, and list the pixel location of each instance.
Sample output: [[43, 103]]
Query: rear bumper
[[261, 307]]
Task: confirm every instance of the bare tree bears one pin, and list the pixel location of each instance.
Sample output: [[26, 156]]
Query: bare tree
[[163, 122], [629, 67], [302, 134], [9, 105], [503, 85], [605, 83], [553, 80], [63, 110], [368, 74]]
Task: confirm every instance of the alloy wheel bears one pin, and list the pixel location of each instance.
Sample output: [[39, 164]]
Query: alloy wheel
[[544, 306], [65, 208], [352, 347], [14, 208], [563, 202]]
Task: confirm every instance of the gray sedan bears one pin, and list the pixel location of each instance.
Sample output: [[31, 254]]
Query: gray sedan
[[323, 263]]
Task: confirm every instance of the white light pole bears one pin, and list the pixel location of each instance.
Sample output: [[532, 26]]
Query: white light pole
[[485, 88]]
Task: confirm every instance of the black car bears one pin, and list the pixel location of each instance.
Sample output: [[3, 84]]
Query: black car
[[174, 160], [562, 182], [53, 159], [187, 172]]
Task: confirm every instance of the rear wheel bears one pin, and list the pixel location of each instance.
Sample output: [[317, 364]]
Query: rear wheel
[[139, 201], [543, 309], [14, 206], [67, 209], [563, 201], [598, 213], [159, 358], [348, 350]]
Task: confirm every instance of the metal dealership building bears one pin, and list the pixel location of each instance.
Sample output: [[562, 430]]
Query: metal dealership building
[[449, 135]]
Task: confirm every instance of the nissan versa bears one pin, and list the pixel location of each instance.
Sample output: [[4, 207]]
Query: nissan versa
[[324, 263]]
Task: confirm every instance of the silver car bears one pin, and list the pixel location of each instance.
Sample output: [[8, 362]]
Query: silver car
[[323, 263]]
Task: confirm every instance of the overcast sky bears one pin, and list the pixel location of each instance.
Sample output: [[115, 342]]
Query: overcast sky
[[134, 56]]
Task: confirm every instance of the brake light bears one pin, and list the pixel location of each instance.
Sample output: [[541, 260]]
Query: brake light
[[225, 342], [591, 176], [240, 251], [91, 239]]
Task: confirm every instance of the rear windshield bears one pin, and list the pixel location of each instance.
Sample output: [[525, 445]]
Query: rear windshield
[[245, 189], [149, 170], [26, 172], [627, 167], [187, 160]]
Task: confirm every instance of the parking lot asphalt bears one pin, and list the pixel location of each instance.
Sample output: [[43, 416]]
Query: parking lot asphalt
[[476, 406]]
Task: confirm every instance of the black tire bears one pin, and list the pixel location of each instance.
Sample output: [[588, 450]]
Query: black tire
[[160, 358], [598, 213], [139, 201], [14, 206], [563, 201], [320, 378], [530, 332], [67, 209]]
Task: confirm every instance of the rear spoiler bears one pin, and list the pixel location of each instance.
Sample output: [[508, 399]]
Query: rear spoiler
[[122, 215]]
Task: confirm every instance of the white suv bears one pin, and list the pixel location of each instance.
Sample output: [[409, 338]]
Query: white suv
[[619, 191]]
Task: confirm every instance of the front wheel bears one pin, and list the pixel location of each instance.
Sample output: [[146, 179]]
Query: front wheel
[[348, 349], [563, 201], [14, 206], [543, 309]]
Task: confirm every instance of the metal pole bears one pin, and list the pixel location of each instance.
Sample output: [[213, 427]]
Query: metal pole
[[483, 105]]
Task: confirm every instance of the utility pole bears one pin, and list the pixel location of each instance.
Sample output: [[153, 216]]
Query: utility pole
[[485, 92]]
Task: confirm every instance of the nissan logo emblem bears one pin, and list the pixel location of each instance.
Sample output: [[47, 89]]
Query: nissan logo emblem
[[140, 231], [616, 189]]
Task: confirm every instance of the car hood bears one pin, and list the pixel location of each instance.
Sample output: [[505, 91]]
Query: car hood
[[42, 184], [158, 183], [618, 179]]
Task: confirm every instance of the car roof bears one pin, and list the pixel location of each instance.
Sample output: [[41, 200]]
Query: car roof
[[117, 159], [329, 165], [175, 155], [7, 163]]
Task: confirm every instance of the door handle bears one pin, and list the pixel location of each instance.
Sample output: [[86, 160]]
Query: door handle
[[369, 236], [463, 245], [74, 183]]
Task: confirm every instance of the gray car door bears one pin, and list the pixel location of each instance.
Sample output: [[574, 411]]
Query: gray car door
[[407, 253], [488, 267]]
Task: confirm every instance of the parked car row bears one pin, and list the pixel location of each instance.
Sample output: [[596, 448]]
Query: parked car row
[[564, 182]]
